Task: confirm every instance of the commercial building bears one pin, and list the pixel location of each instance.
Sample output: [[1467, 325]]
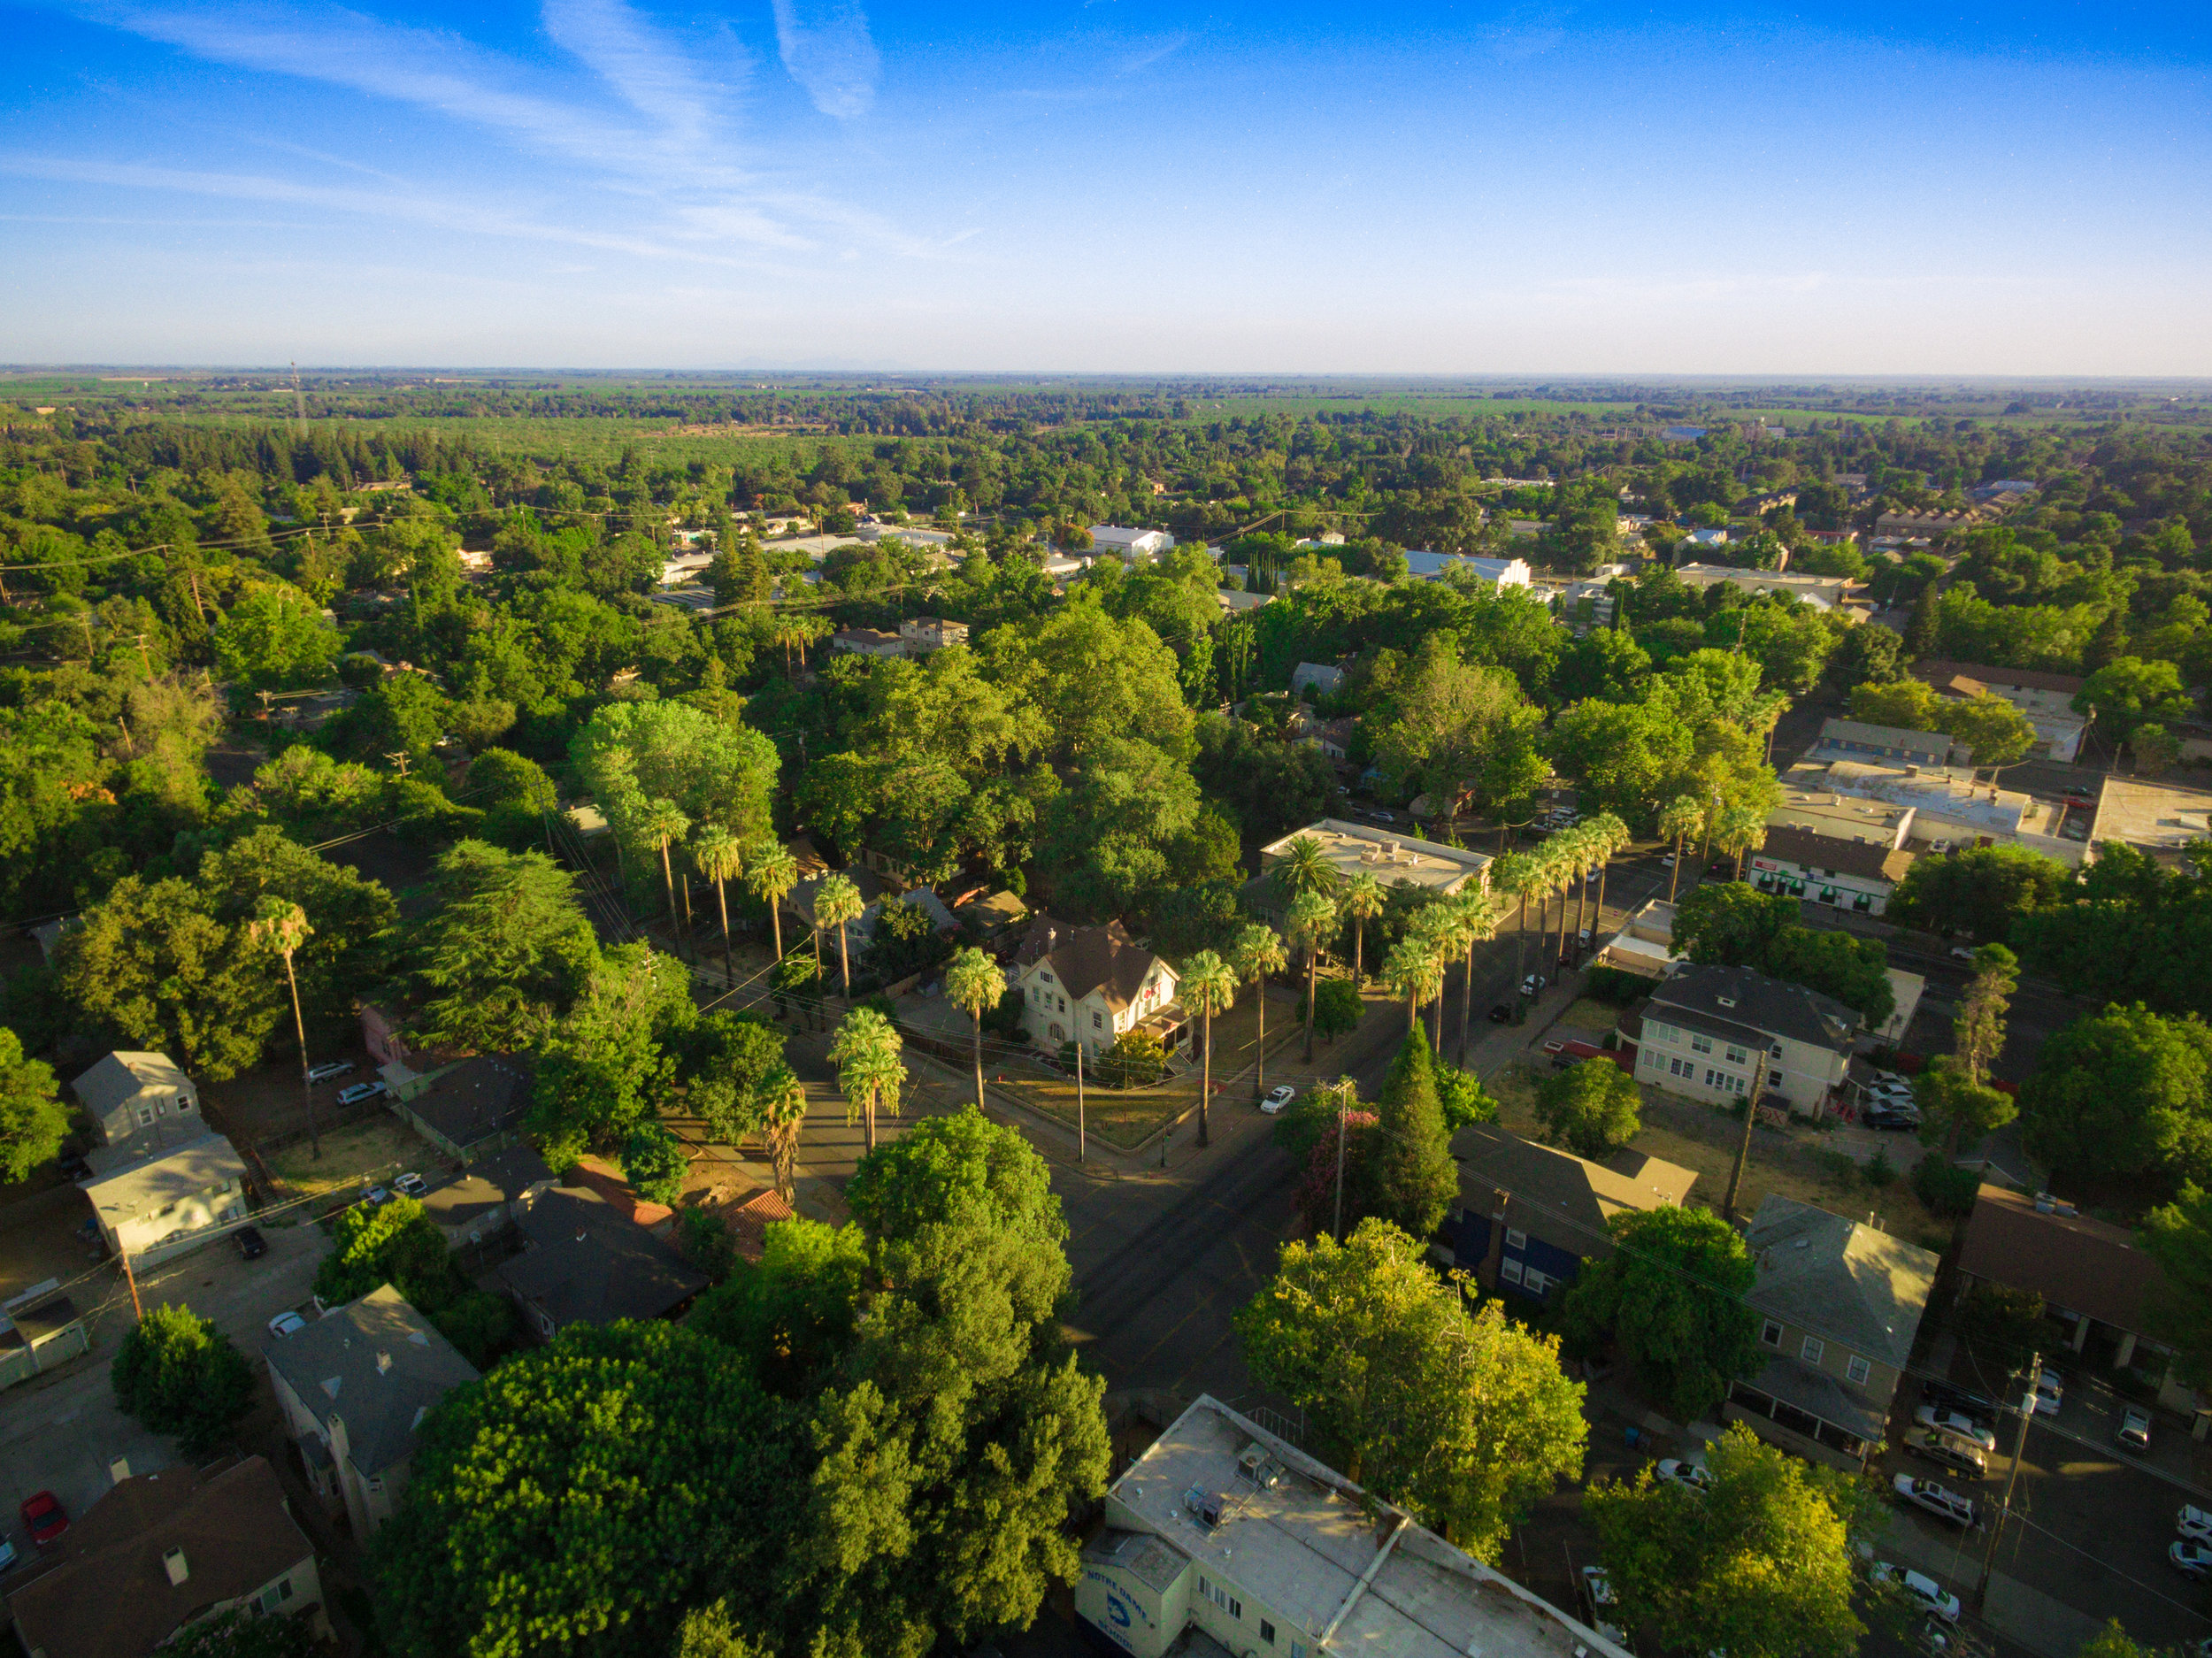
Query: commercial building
[[1233, 1541], [1837, 593], [1392, 858], [1492, 573], [1858, 874], [159, 1553], [1718, 1033], [1879, 745], [1090, 985], [139, 1100], [172, 1199], [1134, 545], [2160, 819], [1947, 808], [1839, 1306], [355, 1386], [2045, 699], [1527, 1217]]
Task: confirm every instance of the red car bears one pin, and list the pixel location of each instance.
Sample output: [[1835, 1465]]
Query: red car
[[46, 1518]]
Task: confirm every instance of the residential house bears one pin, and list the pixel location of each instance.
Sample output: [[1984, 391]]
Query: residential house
[[159, 1553], [2045, 699], [48, 935], [1354, 848], [474, 1109], [1719, 1033], [1850, 740], [583, 1262], [990, 916], [1320, 677], [867, 641], [138, 1099], [39, 1329], [1706, 538], [2092, 1277], [171, 1199], [1233, 602], [686, 565], [1759, 505], [1134, 545], [354, 1387], [1528, 1217], [1923, 521], [1947, 807], [922, 634], [749, 1221], [2152, 816], [1859, 874], [1494, 573], [1838, 1306], [485, 1197], [1089, 985], [1222, 1538]]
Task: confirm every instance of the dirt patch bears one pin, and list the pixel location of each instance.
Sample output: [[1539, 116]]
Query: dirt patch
[[374, 1150], [1795, 1161], [1589, 1014], [266, 1103]]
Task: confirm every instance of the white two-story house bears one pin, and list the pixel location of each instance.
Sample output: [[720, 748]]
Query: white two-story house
[[1089, 985], [1720, 1033]]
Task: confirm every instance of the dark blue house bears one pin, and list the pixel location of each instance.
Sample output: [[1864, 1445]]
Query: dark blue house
[[1528, 1216]]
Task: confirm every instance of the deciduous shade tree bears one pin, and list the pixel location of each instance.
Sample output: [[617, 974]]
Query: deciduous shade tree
[[634, 755], [1956, 1108], [1461, 1417], [1337, 1009], [654, 1162], [33, 1121], [2178, 1236], [1986, 892], [1410, 1177], [1760, 1566], [274, 639], [504, 950], [2002, 1327], [1590, 1108], [2127, 929], [375, 1244], [176, 1373], [2123, 1092], [1670, 1295], [606, 1066], [244, 1632]]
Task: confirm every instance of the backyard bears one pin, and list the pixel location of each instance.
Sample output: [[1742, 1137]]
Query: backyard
[[370, 1151]]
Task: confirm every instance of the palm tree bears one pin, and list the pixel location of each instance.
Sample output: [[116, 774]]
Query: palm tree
[[1570, 853], [1312, 917], [1438, 926], [1415, 972], [1481, 913], [716, 851], [865, 1051], [1209, 985], [663, 824], [1678, 819], [1258, 956], [836, 901], [1516, 875], [974, 982], [1741, 830], [775, 872], [1613, 837], [1304, 867], [280, 926], [782, 1098], [1362, 902]]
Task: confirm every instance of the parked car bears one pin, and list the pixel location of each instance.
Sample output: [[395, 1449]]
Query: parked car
[[287, 1323], [1502, 1014], [411, 1184], [1532, 984], [250, 1243], [1957, 1422], [376, 1197], [1892, 1117], [359, 1092], [2192, 1560], [1960, 953], [1597, 1587], [1940, 1500], [44, 1517], [1278, 1098], [1675, 1471], [1886, 1088], [333, 1068], [2195, 1523], [2050, 1391], [2135, 1428], [1960, 1400], [1924, 1592], [1961, 1457]]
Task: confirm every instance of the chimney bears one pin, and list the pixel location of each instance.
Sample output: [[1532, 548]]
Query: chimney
[[172, 1563], [383, 1362]]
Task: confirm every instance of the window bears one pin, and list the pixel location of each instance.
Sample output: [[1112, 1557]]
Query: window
[[1736, 1055], [1297, 1649], [1046, 977], [145, 1116], [1508, 1272], [1097, 1023], [1515, 1239], [1659, 1033], [1535, 1283], [1267, 1631], [1723, 1081], [1063, 1003], [1775, 1052], [1857, 1369], [276, 1595], [1701, 1043], [1681, 1068], [1813, 1348], [183, 1106], [1221, 1598], [1772, 1334]]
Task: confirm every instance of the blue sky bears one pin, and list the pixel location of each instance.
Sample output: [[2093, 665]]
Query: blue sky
[[1113, 185]]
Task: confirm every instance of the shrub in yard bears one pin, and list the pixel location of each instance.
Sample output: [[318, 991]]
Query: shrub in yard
[[1945, 1188], [177, 1374], [1880, 1172]]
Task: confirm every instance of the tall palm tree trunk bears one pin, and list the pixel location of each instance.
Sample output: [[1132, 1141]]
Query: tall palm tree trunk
[[978, 1059], [1466, 1001], [1359, 949], [1436, 1022], [1313, 960], [1259, 1063], [722, 899], [845, 968], [1413, 1015], [1674, 873], [1205, 1073], [775, 920], [668, 874]]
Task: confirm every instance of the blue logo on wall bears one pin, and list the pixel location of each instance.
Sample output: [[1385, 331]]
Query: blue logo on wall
[[1120, 1612]]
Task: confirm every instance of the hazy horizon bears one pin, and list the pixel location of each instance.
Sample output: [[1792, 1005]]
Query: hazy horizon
[[1119, 188]]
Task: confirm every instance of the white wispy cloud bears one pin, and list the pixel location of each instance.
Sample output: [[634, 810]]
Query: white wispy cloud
[[651, 73], [826, 47]]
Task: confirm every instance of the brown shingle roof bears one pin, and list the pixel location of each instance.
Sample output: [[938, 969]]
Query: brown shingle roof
[[1813, 850], [107, 1594], [2084, 1265], [1089, 958], [1936, 672]]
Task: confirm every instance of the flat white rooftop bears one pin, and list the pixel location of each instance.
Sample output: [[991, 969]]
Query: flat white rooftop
[[1386, 854]]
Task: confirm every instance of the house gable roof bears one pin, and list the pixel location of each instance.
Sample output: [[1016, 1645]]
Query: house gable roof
[[477, 1099], [2086, 1266], [166, 1174], [123, 1075], [377, 1364], [1810, 850], [1557, 1194], [1740, 998], [1084, 959], [588, 1264], [1837, 1279]]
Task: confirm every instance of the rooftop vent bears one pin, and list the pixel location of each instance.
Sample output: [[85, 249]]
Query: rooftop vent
[[173, 1563], [383, 1362], [1726, 1001]]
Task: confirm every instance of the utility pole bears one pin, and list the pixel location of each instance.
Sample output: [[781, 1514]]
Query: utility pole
[[399, 760], [145, 656], [1081, 1144], [1751, 1119], [2004, 1504], [138, 1313]]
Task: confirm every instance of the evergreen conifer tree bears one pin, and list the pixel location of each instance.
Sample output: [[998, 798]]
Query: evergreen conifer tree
[[1412, 1179]]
